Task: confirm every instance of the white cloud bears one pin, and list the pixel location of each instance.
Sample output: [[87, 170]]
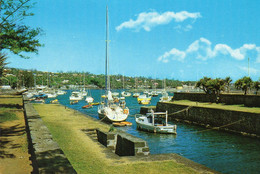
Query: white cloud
[[174, 54], [202, 49], [148, 20]]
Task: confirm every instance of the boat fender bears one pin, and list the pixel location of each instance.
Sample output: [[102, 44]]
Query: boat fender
[[126, 111]]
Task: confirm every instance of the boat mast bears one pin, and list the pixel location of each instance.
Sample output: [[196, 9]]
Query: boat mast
[[107, 57]]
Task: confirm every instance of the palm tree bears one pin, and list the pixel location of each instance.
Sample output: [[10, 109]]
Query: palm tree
[[3, 63], [257, 86], [228, 81], [244, 83]]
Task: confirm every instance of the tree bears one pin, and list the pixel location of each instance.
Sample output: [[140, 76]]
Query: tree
[[244, 84], [14, 35], [257, 86], [202, 84], [2, 66], [228, 81]]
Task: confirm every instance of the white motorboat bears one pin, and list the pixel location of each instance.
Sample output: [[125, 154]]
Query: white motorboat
[[137, 94], [143, 97], [156, 122], [126, 94], [89, 99], [75, 95], [61, 92], [165, 97]]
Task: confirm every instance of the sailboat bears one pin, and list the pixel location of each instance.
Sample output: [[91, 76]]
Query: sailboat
[[124, 93], [110, 111]]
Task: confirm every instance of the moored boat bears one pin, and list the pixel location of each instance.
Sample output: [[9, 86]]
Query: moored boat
[[87, 106], [156, 122]]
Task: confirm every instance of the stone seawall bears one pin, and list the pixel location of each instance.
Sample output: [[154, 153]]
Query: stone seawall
[[123, 144], [233, 121], [47, 156], [230, 99]]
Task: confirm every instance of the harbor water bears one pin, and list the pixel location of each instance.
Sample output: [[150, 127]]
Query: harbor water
[[221, 151]]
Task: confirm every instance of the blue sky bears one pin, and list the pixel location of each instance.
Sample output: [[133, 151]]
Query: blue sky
[[173, 39]]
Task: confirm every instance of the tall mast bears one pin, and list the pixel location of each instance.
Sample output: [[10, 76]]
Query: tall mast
[[107, 57]]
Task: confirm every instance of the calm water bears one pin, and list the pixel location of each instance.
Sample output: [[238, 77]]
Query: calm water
[[224, 152]]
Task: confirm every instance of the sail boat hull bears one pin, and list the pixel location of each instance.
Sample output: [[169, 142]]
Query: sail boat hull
[[112, 114]]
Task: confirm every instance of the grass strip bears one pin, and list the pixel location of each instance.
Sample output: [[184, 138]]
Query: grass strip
[[7, 116], [87, 156], [241, 108]]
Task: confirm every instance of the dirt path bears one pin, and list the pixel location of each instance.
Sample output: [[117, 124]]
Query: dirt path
[[14, 157]]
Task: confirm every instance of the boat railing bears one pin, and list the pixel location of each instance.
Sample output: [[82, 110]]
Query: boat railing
[[138, 115]]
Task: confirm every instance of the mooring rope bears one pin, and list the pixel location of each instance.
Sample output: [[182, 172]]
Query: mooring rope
[[185, 109], [216, 128]]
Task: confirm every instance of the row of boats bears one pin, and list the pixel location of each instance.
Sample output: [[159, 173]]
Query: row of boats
[[112, 111]]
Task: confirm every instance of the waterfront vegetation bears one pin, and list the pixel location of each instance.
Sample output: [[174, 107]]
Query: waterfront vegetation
[[28, 78]]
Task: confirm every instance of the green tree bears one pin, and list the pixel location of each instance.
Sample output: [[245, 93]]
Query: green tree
[[244, 84], [256, 86], [15, 36], [2, 66], [203, 84], [228, 81]]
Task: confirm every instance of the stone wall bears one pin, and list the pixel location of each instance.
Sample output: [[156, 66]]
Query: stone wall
[[243, 122], [123, 144], [230, 99], [47, 156]]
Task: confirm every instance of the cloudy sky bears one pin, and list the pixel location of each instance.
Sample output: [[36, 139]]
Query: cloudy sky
[[173, 39]]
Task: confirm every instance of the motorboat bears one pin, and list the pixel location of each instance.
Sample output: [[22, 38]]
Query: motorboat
[[137, 94], [165, 97], [89, 99], [126, 94], [143, 97], [75, 95], [145, 102], [155, 122]]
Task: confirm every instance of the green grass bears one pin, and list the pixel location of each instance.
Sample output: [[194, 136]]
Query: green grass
[[85, 155], [219, 106], [7, 116]]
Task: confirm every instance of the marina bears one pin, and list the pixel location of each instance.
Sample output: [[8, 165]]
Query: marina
[[214, 149]]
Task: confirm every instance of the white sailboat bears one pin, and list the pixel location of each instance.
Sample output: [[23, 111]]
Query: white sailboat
[[109, 111], [165, 96]]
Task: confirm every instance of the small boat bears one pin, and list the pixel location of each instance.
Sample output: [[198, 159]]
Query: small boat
[[74, 102], [61, 92], [87, 106], [144, 102], [75, 96], [122, 124], [143, 97], [156, 122], [165, 97], [89, 99], [154, 93], [54, 101], [94, 104], [125, 94], [137, 94], [39, 100]]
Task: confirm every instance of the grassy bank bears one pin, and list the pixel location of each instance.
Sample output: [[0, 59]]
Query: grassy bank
[[219, 106], [88, 156]]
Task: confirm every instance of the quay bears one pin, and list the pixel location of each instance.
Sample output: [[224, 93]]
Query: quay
[[61, 145]]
